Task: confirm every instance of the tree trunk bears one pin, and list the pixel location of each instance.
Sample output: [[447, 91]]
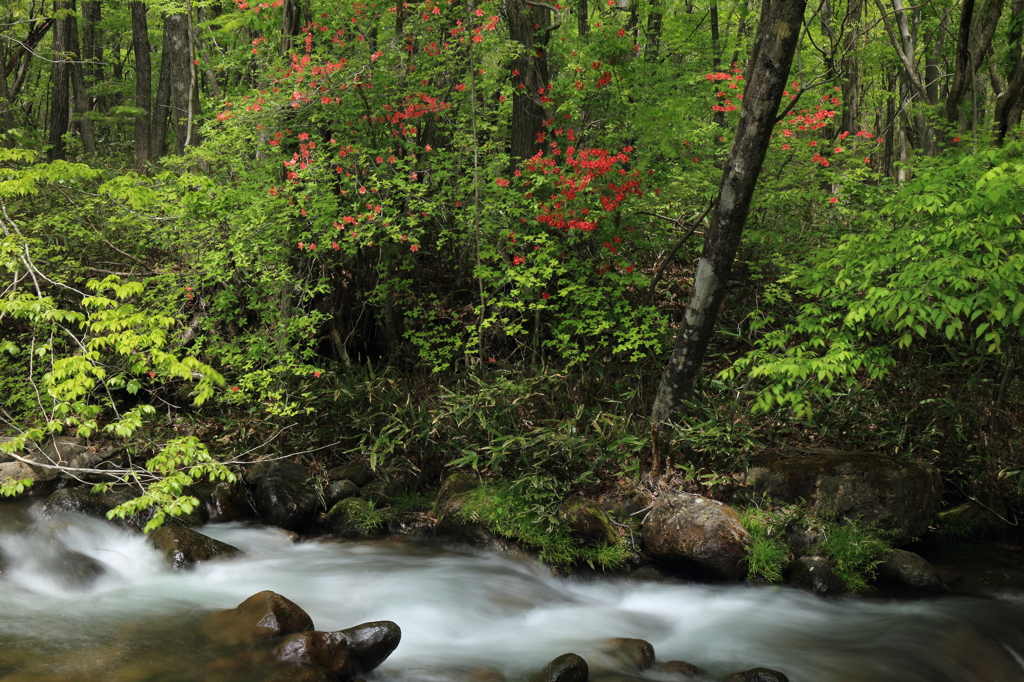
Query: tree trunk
[[582, 17], [6, 101], [767, 75], [143, 83], [529, 75], [79, 90], [973, 40], [851, 68], [1009, 102], [92, 47], [181, 77], [60, 111], [161, 107], [654, 23]]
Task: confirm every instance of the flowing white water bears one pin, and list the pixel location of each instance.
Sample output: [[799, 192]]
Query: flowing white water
[[459, 611]]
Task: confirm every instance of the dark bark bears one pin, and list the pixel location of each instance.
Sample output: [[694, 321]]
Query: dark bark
[[654, 23], [973, 40], [143, 83], [80, 92], [19, 59], [6, 101], [768, 72], [582, 17], [60, 110], [291, 17], [1010, 102], [530, 74], [92, 46], [161, 111], [850, 66]]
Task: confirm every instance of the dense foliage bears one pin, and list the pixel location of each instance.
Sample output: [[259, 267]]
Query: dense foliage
[[444, 233]]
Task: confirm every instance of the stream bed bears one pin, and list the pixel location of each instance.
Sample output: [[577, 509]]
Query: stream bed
[[136, 620]]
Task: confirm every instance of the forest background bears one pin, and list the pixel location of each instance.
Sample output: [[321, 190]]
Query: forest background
[[463, 234]]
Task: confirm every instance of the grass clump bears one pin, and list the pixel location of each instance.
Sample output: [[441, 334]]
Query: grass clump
[[530, 517], [855, 549], [768, 553]]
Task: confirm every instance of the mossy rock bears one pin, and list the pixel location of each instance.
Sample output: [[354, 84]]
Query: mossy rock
[[355, 518], [353, 471], [455, 484], [588, 521]]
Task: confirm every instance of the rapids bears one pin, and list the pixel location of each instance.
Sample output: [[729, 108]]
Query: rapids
[[459, 611]]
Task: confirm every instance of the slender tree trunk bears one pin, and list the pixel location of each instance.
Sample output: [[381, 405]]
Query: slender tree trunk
[[655, 19], [291, 18], [582, 17], [79, 90], [973, 40], [161, 111], [6, 101], [851, 68], [143, 83], [767, 75], [92, 47], [60, 110], [1009, 102]]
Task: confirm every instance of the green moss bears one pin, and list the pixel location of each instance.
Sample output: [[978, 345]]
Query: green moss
[[505, 511]]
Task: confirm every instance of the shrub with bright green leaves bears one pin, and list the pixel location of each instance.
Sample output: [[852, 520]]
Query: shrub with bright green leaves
[[942, 263]]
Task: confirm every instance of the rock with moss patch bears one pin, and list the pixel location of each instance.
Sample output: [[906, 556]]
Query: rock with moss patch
[[899, 495], [383, 493], [588, 521], [814, 574], [183, 547], [355, 519], [455, 484], [908, 570], [338, 491], [353, 471], [281, 494], [694, 533]]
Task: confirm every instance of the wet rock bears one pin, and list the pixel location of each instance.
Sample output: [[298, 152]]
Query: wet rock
[[371, 643], [37, 463], [588, 521], [692, 532], [384, 492], [355, 519], [637, 653], [989, 582], [452, 527], [814, 574], [319, 649], [229, 502], [261, 616], [281, 495], [183, 547], [353, 471], [82, 501], [907, 569], [338, 491], [455, 484], [679, 669], [757, 675], [900, 495], [74, 570], [565, 668]]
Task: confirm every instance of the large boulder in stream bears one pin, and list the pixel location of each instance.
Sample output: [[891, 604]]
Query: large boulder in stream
[[82, 500], [281, 495], [228, 501], [263, 615], [908, 570], [695, 533], [897, 494], [183, 547]]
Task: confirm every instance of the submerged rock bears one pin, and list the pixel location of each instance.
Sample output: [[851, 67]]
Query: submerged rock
[[637, 653], [183, 547], [899, 495], [74, 570], [990, 582], [565, 668], [680, 669], [813, 573], [757, 675], [690, 531], [907, 569], [281, 495], [263, 615]]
